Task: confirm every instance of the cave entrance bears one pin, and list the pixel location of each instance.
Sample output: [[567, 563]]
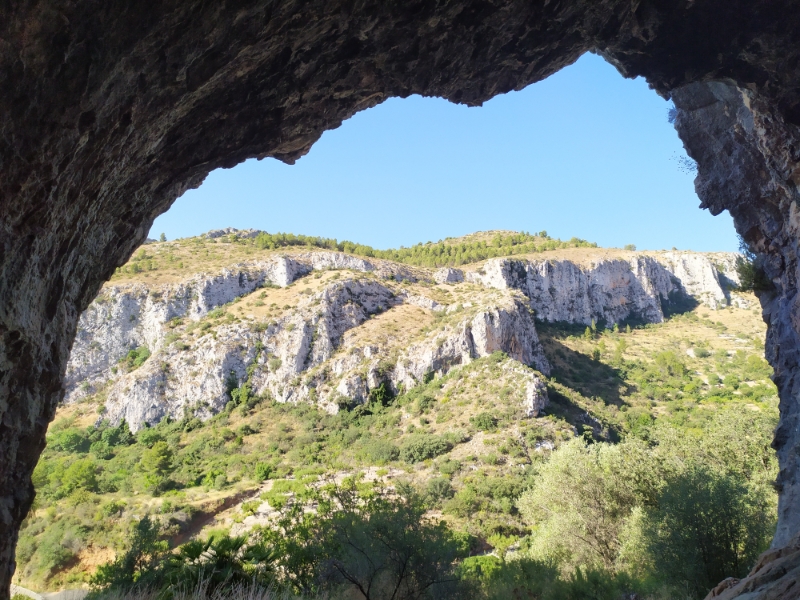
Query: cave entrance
[[109, 115]]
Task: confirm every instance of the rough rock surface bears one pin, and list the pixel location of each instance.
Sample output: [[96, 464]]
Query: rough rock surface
[[775, 576], [308, 340], [612, 290], [748, 158], [299, 357], [448, 275], [109, 112]]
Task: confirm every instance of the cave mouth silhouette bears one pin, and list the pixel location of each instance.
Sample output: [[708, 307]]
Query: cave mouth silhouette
[[108, 113]]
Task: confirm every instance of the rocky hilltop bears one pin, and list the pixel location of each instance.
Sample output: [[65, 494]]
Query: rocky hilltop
[[333, 328]]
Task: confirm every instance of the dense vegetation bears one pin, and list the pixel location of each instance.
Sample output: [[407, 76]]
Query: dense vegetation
[[440, 254], [448, 252]]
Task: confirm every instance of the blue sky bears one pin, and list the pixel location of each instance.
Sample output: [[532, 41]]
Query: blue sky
[[584, 153]]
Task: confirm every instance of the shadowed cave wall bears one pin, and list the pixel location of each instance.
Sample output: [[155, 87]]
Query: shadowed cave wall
[[110, 110]]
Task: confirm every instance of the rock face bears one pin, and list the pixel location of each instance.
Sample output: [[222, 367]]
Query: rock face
[[612, 290], [749, 164], [110, 113], [299, 357], [302, 356]]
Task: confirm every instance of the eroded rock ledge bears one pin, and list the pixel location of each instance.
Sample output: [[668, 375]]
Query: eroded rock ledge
[[111, 110]]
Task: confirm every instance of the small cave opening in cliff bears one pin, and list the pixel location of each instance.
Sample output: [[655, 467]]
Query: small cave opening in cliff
[[584, 153]]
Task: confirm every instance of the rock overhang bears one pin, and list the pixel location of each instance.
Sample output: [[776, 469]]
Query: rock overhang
[[109, 113]]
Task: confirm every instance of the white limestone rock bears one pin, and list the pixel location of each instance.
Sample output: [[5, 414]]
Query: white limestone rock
[[448, 275]]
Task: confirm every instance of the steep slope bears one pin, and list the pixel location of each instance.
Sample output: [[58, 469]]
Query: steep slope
[[278, 323]]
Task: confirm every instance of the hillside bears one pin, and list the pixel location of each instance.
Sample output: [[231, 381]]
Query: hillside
[[215, 378]]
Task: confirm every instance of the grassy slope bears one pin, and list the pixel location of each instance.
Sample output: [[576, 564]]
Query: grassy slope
[[608, 384]]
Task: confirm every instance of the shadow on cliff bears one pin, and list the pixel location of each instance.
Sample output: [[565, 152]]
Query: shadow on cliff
[[592, 378]]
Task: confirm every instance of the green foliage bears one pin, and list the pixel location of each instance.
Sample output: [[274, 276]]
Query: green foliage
[[219, 564], [379, 451], [139, 564], [135, 358], [263, 471], [368, 543], [430, 254], [422, 446], [484, 421], [69, 440], [156, 465], [707, 526], [750, 269], [687, 511], [80, 475]]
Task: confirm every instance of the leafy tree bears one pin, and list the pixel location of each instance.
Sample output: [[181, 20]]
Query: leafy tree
[[81, 474], [484, 421], [157, 464], [68, 440], [139, 564], [707, 527], [750, 269], [582, 499], [422, 446], [368, 543], [219, 563]]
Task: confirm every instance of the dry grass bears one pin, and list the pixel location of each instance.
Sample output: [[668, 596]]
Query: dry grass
[[396, 327]]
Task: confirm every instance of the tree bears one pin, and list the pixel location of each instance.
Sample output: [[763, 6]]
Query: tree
[[82, 474], [156, 464], [707, 526], [162, 237], [582, 500], [750, 269], [219, 563], [139, 564], [368, 544]]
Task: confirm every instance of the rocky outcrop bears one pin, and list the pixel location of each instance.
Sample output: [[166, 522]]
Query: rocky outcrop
[[300, 357], [612, 290], [448, 275], [748, 164], [109, 114], [774, 577], [123, 318]]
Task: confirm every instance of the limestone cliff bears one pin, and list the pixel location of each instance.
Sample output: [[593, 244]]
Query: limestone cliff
[[613, 289], [358, 325]]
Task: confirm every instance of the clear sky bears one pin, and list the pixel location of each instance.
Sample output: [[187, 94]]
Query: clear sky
[[584, 153]]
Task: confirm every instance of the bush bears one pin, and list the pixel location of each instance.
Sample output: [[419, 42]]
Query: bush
[[367, 544], [484, 421], [69, 440], [263, 471], [379, 451], [135, 358], [437, 490], [422, 446], [81, 474], [707, 526]]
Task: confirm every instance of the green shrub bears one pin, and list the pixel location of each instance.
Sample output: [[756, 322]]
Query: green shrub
[[484, 421], [707, 527], [422, 446], [135, 358], [379, 451], [81, 474], [263, 471], [69, 440]]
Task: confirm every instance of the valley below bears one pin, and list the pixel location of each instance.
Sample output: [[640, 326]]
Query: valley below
[[511, 382]]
